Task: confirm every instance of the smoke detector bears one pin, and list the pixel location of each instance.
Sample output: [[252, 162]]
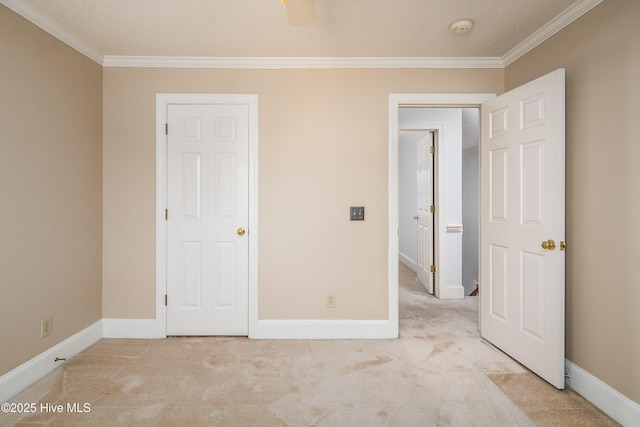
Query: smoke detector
[[461, 26]]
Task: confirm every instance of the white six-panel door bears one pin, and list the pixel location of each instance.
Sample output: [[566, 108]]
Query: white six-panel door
[[522, 210], [207, 226], [424, 178]]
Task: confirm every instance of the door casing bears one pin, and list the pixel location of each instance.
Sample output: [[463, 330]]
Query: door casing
[[163, 100]]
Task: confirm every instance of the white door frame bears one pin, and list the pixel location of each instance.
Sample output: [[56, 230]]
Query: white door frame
[[395, 102], [163, 100]]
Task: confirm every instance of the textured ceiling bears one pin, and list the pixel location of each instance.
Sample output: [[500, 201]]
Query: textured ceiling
[[259, 28]]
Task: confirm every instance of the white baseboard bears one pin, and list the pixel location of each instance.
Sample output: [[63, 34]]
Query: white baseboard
[[408, 262], [265, 329], [608, 400], [133, 328], [13, 382], [322, 329]]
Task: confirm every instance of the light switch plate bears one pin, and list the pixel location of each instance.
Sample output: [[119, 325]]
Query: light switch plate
[[356, 213]]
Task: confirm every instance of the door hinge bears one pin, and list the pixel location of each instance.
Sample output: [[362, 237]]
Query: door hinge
[[165, 300], [432, 149], [166, 214], [166, 128], [432, 269], [432, 209]]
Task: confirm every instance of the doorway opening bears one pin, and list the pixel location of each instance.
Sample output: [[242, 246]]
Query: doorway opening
[[396, 101], [438, 197]]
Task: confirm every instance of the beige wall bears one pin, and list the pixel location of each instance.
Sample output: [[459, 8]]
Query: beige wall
[[50, 189], [601, 54], [323, 137]]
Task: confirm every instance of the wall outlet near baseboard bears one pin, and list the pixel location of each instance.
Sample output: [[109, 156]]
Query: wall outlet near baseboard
[[46, 327], [330, 301]]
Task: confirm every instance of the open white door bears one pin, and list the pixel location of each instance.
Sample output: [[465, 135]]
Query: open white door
[[522, 227], [424, 178]]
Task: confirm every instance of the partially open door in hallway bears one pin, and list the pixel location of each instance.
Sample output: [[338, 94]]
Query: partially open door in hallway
[[523, 224], [207, 199], [425, 204]]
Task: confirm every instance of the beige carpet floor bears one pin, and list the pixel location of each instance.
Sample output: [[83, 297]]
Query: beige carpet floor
[[439, 373]]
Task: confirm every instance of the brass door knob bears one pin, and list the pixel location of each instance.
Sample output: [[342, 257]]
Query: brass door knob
[[240, 231], [549, 244]]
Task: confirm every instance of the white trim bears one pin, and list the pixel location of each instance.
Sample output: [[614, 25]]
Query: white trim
[[133, 328], [300, 62], [408, 262], [439, 99], [47, 24], [13, 382], [457, 227], [607, 399], [253, 211], [392, 194], [570, 14], [162, 102], [324, 329]]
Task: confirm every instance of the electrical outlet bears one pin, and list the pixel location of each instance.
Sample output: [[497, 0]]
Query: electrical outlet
[[46, 326], [331, 301]]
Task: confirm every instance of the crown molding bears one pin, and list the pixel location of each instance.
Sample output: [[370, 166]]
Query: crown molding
[[29, 13], [299, 62], [570, 14]]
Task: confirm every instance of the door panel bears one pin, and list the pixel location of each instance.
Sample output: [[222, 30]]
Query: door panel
[[425, 217], [207, 199], [498, 285], [522, 205], [499, 186]]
